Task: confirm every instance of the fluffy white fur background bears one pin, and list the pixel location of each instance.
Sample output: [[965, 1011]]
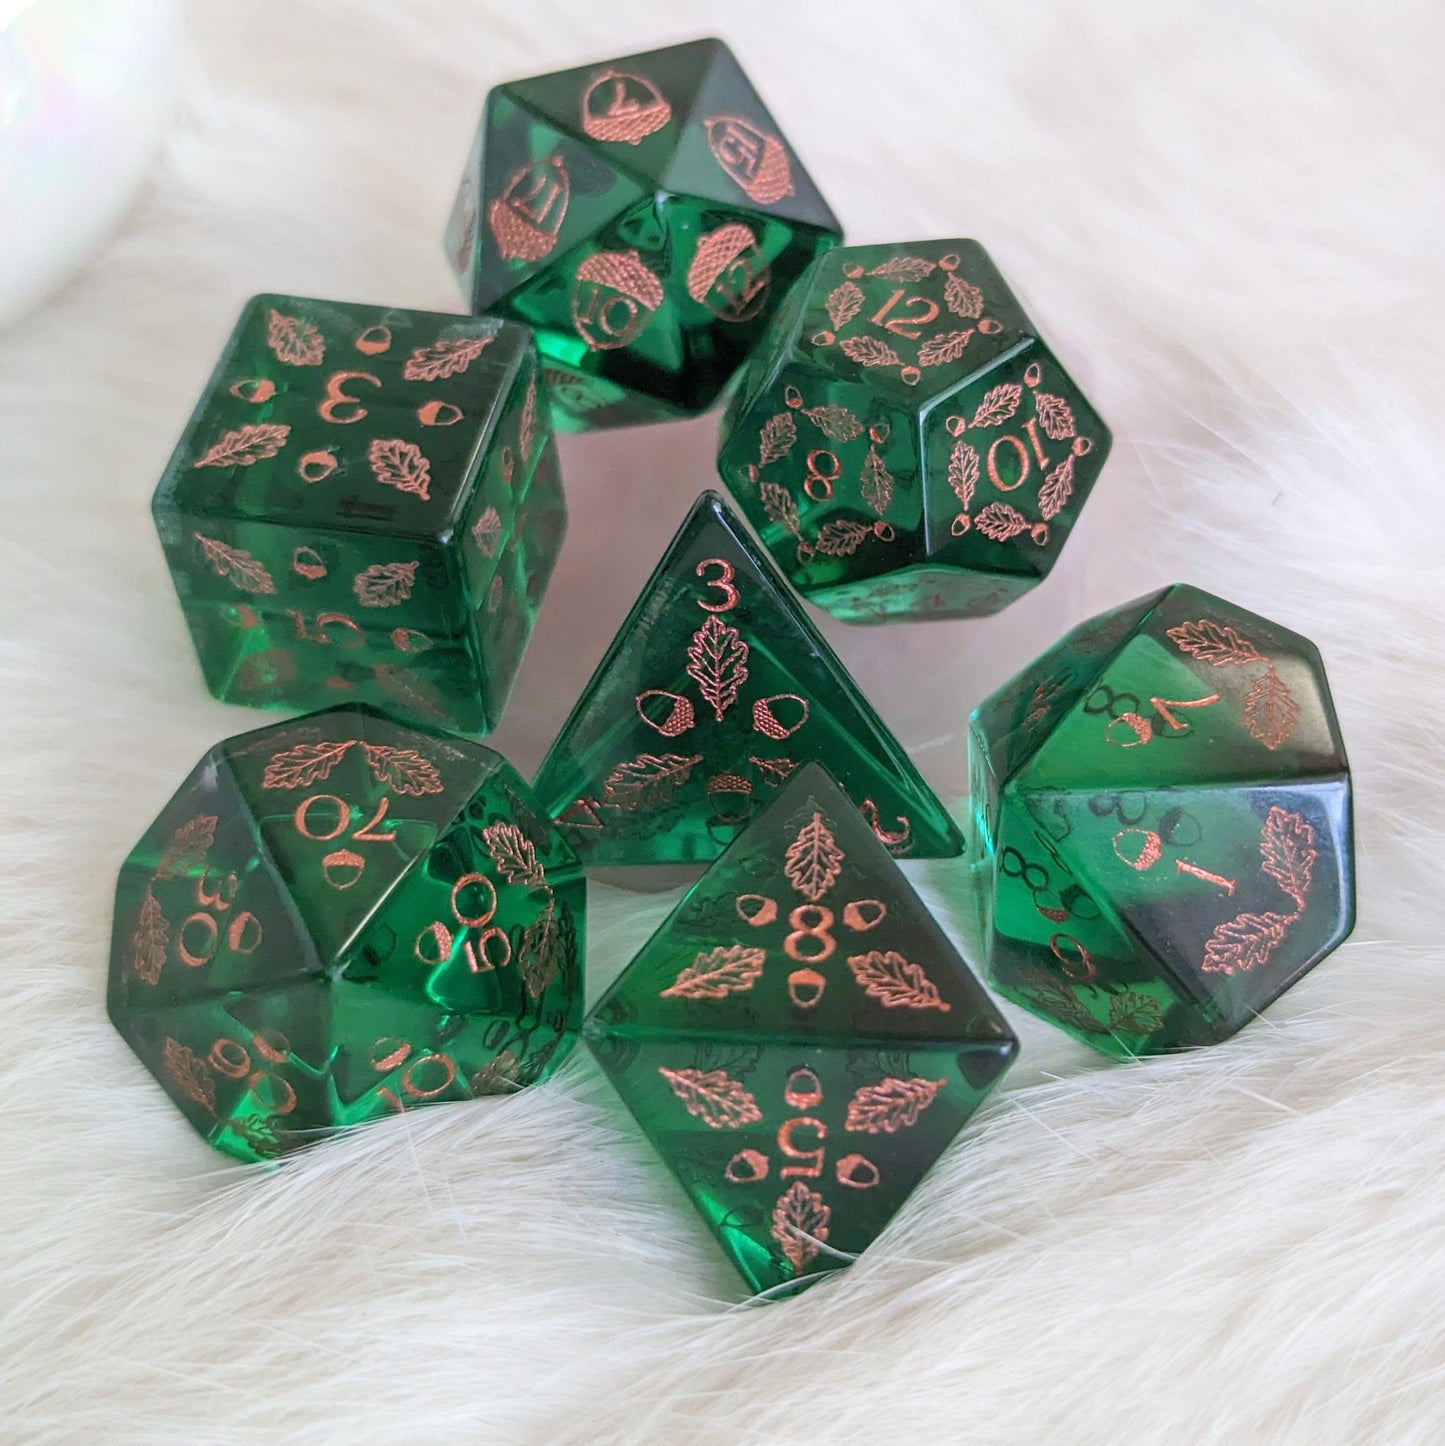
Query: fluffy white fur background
[[1228, 215]]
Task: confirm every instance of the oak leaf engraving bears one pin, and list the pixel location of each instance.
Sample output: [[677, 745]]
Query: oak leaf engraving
[[776, 438], [946, 347], [813, 860], [893, 1105], [527, 427], [724, 1103], [834, 422], [514, 854], [1288, 848], [963, 472], [402, 769], [1214, 643], [868, 351], [904, 268], [487, 531], [445, 358], [1000, 522], [877, 482], [1245, 942], [149, 940], [240, 448], [295, 342], [648, 781], [1270, 710], [800, 1224], [1058, 1000], [842, 538], [409, 690], [997, 405], [539, 955], [399, 464], [1134, 1013], [188, 847], [305, 764], [895, 982], [776, 771], [189, 1073], [843, 304], [1055, 416], [1057, 489], [717, 661], [779, 505], [384, 584], [716, 973], [962, 297], [246, 572]]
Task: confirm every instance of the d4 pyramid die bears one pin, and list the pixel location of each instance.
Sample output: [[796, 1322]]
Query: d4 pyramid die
[[645, 217], [799, 1040], [715, 690], [1163, 808], [338, 918], [903, 439]]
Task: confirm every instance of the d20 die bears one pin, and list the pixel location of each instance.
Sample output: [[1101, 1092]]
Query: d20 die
[[337, 918], [365, 507], [1163, 809], [800, 1040], [645, 217], [905, 443], [715, 689]]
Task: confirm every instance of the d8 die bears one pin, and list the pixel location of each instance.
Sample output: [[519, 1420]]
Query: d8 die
[[645, 217], [1163, 807], [338, 918], [799, 1039], [365, 506], [904, 442]]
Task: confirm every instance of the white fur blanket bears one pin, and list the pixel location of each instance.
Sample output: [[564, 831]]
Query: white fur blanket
[[1228, 216]]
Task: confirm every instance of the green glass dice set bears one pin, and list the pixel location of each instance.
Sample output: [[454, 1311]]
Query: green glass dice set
[[359, 911]]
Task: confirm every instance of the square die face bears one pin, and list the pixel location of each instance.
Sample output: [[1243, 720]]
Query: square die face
[[325, 414]]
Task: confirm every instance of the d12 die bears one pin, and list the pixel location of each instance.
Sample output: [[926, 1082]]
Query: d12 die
[[1163, 805], [904, 442], [715, 689], [799, 1039], [646, 218], [365, 506], [338, 918]]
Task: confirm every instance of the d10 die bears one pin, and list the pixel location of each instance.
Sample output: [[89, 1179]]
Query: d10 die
[[904, 442], [365, 506], [799, 1039], [646, 218], [338, 918], [715, 690], [1163, 804]]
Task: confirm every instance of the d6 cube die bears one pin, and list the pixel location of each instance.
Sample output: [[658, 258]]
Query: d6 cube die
[[645, 217], [365, 506], [1163, 810], [903, 440], [338, 918]]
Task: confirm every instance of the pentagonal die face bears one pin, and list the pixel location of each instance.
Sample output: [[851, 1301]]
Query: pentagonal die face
[[645, 218], [339, 918], [904, 442], [365, 506], [1163, 801]]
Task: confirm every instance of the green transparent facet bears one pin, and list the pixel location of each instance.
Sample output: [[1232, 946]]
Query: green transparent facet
[[644, 217], [799, 1040], [338, 918], [1162, 803], [714, 691], [904, 442], [365, 507]]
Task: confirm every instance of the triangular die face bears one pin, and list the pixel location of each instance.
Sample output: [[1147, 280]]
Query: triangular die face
[[544, 193], [630, 109], [715, 690], [199, 911], [798, 1155], [344, 802], [730, 150], [805, 928]]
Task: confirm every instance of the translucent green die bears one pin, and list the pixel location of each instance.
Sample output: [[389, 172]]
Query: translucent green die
[[365, 506], [338, 918], [904, 442], [799, 1040], [645, 218], [1163, 809]]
